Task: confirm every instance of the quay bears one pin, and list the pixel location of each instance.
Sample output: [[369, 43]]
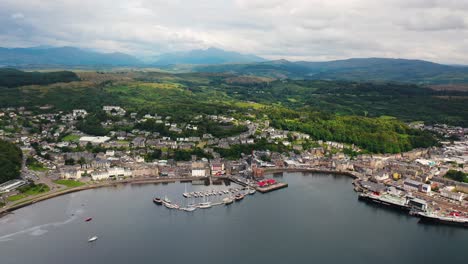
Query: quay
[[272, 187]]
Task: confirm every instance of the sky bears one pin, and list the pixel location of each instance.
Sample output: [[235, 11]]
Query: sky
[[435, 30]]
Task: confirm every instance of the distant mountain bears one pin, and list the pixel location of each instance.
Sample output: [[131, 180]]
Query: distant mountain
[[365, 69], [68, 56], [208, 56]]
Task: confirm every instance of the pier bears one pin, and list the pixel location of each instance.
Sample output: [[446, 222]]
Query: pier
[[272, 187]]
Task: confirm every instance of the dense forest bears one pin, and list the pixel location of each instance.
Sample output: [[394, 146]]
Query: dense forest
[[10, 161], [14, 78]]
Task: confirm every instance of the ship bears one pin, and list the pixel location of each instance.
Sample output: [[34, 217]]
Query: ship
[[426, 217], [386, 199]]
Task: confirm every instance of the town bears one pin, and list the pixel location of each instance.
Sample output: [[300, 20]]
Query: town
[[59, 156]]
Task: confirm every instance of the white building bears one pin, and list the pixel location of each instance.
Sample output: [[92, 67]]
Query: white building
[[94, 140], [449, 193], [11, 185], [198, 172], [110, 172], [79, 113], [114, 110]]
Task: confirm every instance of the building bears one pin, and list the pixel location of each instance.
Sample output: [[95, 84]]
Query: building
[[114, 110], [425, 188], [113, 172], [411, 185], [139, 142], [418, 204], [449, 193], [217, 168], [71, 173], [11, 185], [93, 140], [199, 169], [79, 113]]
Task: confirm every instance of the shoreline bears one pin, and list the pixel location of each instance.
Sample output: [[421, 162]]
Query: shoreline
[[344, 173], [9, 209]]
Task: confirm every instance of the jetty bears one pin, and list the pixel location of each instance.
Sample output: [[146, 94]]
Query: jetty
[[272, 187]]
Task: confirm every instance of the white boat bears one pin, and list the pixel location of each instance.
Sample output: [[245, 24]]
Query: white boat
[[189, 209], [228, 200], [92, 239], [204, 205], [252, 191]]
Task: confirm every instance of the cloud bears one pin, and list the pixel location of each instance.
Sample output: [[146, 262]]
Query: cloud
[[17, 16], [294, 29]]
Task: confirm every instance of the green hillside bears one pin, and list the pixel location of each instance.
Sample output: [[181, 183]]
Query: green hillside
[[14, 78]]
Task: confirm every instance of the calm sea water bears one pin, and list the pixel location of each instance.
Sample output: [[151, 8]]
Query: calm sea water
[[317, 219]]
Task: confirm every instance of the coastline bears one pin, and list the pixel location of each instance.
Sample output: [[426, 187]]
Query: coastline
[[9, 209], [345, 173]]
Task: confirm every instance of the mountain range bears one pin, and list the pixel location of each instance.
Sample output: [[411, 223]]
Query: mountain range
[[217, 60], [62, 56], [358, 69], [207, 56]]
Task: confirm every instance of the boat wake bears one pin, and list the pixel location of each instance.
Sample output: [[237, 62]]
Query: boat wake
[[39, 230]]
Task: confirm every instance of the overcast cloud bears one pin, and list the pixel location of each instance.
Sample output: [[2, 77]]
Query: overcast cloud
[[435, 30]]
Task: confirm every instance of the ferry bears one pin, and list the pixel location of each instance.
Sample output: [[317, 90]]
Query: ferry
[[204, 205], [157, 201], [454, 219], [387, 200], [92, 239]]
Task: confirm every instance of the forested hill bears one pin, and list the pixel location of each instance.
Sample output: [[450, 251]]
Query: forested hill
[[365, 69], [14, 78], [10, 161]]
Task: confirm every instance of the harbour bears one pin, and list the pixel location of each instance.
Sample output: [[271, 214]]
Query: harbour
[[129, 225]]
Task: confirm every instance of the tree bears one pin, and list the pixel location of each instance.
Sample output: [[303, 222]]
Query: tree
[[11, 159]]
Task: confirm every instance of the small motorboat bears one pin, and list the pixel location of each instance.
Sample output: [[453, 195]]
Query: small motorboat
[[228, 200], [204, 205], [92, 239], [239, 197], [88, 219], [157, 201], [189, 209]]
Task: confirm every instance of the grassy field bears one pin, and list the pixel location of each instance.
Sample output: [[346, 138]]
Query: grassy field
[[28, 191], [69, 183], [71, 138]]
